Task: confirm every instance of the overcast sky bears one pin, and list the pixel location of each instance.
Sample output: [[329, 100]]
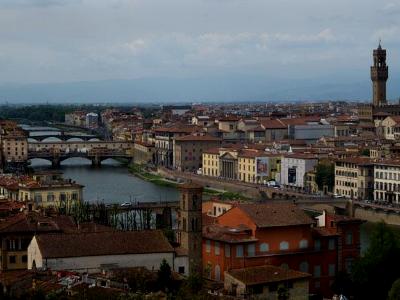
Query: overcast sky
[[86, 40]]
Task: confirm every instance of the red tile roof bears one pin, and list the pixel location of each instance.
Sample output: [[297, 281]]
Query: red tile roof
[[266, 274], [102, 243], [275, 214]]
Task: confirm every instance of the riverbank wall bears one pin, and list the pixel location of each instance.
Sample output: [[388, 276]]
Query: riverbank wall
[[250, 192]]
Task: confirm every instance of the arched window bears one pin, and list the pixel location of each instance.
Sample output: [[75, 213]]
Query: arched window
[[303, 267], [217, 273], [303, 244], [284, 245], [264, 247]]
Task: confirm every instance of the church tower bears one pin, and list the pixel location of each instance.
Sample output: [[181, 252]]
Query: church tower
[[379, 76], [190, 225]]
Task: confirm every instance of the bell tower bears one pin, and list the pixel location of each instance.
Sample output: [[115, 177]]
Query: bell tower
[[379, 76], [190, 225]]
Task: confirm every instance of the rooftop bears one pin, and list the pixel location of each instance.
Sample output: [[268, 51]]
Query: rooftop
[[266, 274]]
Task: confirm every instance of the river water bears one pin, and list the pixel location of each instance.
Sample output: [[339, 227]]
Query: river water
[[111, 183]]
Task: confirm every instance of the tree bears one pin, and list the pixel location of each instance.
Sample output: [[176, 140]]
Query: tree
[[283, 293], [164, 275], [394, 293], [325, 175], [373, 274], [365, 152]]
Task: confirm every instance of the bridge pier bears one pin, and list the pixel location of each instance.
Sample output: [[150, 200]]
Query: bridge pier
[[96, 161]]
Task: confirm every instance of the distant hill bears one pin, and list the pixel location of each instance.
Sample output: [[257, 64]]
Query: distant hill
[[210, 89]]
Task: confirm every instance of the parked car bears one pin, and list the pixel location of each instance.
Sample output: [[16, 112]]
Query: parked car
[[337, 196], [125, 204]]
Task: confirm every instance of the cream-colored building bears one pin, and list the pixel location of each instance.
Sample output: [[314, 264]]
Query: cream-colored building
[[346, 182], [50, 194], [262, 282], [14, 143], [387, 181], [354, 178], [390, 127]]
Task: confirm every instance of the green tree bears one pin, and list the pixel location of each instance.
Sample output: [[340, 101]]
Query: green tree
[[164, 277], [325, 175], [283, 293], [365, 152], [374, 273], [394, 293]]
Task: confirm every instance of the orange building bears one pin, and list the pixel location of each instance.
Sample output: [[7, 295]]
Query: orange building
[[283, 235]]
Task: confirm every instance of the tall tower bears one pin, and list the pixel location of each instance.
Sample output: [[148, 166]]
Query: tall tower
[[379, 76], [190, 225]]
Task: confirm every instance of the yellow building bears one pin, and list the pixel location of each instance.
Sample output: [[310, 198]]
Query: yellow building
[[257, 166], [247, 165], [46, 194], [211, 162]]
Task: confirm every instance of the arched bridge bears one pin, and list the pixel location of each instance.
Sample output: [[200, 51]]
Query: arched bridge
[[62, 136], [96, 151]]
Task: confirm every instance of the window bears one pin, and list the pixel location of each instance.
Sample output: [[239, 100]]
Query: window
[[303, 244], [331, 245], [75, 196], [217, 273], [264, 247], [38, 198], [284, 245], [208, 246], [24, 258], [303, 267], [50, 197], [216, 248], [63, 197], [181, 270], [251, 250], [317, 245], [317, 271], [239, 251], [11, 245], [332, 269], [349, 238], [13, 259], [227, 251], [348, 264]]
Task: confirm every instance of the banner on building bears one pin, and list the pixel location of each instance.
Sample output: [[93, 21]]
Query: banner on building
[[262, 166]]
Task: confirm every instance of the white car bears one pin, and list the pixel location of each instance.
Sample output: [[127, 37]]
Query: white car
[[125, 204]]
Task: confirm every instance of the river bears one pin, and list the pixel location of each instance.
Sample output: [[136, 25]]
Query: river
[[111, 183]]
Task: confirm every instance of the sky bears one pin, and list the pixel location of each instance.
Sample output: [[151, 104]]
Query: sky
[[310, 41]]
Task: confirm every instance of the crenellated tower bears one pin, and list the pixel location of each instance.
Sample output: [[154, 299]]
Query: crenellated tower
[[379, 76]]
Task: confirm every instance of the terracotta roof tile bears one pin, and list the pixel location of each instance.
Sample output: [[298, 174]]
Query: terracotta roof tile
[[266, 274], [102, 243], [276, 214]]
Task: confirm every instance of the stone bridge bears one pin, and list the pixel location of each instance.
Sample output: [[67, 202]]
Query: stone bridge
[[96, 151], [62, 136]]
